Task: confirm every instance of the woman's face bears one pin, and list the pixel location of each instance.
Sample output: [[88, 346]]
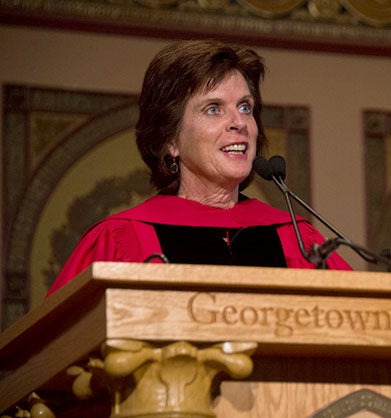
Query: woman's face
[[217, 139]]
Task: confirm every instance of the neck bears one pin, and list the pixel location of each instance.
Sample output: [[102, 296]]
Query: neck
[[218, 198]]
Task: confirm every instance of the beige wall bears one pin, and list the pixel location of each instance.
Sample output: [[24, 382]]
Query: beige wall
[[336, 88]]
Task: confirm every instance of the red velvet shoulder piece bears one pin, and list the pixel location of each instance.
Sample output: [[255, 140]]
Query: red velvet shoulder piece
[[173, 210]]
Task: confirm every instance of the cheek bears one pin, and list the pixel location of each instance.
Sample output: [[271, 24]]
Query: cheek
[[254, 126], [197, 139], [187, 147], [254, 132]]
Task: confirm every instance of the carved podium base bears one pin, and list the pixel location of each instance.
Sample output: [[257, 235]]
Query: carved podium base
[[171, 381], [322, 335]]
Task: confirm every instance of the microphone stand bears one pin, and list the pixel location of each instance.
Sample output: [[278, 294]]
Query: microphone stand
[[319, 253], [314, 255], [282, 186]]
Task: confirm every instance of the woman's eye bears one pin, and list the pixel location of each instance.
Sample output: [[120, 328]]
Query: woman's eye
[[245, 108], [212, 110]]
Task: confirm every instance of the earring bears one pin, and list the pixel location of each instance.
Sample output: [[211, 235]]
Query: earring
[[174, 168]]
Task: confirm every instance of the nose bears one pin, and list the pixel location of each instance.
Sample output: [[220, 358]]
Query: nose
[[236, 121]]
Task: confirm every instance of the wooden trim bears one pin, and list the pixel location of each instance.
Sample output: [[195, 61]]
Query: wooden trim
[[322, 36]]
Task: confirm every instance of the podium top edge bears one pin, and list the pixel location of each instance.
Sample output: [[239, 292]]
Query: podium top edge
[[220, 277]]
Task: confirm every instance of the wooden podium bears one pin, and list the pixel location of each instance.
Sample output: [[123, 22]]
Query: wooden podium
[[164, 340]]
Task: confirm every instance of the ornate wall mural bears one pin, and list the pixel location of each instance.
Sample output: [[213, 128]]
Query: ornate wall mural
[[378, 179], [362, 26], [45, 132], [70, 159]]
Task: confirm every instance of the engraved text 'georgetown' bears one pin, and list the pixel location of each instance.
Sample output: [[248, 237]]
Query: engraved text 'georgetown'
[[204, 308]]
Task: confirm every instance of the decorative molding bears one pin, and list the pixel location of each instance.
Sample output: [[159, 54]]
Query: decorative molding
[[357, 26], [377, 131], [361, 400], [171, 380], [26, 186]]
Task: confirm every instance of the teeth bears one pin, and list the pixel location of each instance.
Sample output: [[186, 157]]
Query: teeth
[[236, 148]]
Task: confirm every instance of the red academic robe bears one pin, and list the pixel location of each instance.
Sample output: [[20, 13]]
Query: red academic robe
[[129, 236]]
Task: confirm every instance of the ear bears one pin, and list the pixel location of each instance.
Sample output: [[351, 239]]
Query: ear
[[173, 149]]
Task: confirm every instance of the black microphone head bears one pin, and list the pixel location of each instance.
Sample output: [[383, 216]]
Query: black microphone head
[[262, 167], [278, 166]]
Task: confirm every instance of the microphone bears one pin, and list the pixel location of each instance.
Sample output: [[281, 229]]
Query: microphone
[[275, 169], [277, 173]]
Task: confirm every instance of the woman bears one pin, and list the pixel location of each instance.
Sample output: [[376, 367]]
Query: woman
[[199, 131]]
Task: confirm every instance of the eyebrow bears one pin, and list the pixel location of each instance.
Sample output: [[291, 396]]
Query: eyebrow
[[247, 97]]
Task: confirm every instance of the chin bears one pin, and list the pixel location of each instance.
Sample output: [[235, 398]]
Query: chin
[[236, 180], [235, 174], [241, 175]]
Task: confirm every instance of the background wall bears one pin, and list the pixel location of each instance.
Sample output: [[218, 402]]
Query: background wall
[[336, 88]]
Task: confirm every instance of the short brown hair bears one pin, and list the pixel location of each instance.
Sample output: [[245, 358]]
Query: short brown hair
[[174, 75]]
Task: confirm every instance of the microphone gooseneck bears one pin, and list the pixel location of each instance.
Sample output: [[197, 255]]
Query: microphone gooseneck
[[275, 169]]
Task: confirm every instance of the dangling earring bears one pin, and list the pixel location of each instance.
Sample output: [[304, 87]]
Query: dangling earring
[[174, 168]]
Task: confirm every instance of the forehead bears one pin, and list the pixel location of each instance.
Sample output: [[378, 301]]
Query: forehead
[[211, 84]]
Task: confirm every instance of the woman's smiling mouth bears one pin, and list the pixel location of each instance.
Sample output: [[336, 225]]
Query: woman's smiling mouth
[[236, 149]]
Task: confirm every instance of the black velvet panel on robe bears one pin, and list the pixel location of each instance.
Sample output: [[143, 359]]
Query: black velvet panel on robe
[[252, 246]]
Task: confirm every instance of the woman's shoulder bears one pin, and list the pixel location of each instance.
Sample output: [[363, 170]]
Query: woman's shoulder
[[119, 225], [123, 218]]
